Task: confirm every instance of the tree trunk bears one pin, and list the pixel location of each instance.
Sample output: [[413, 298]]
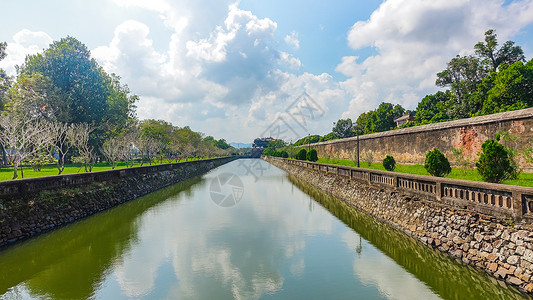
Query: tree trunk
[[15, 175]]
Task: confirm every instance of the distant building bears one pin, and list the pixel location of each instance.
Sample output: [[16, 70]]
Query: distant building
[[405, 118], [262, 142]]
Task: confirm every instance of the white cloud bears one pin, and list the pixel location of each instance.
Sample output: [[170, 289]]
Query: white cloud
[[292, 40], [25, 42], [414, 40]]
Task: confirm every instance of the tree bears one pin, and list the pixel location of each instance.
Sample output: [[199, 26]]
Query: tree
[[509, 89], [34, 96], [21, 138], [60, 143], [78, 135], [222, 144], [507, 54], [328, 137], [494, 164], [462, 75], [301, 155], [312, 155], [389, 163], [88, 94], [432, 108], [5, 81], [112, 151], [343, 128], [436, 163]]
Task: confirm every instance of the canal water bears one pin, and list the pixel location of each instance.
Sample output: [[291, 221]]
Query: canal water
[[245, 230]]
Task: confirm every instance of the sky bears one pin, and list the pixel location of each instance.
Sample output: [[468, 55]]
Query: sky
[[244, 69]]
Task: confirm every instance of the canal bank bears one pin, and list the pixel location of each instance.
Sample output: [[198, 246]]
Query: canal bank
[[502, 249], [29, 207]]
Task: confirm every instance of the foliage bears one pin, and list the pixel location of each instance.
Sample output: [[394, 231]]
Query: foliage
[[308, 139], [343, 128], [389, 163], [312, 155], [328, 137], [38, 160], [436, 163], [284, 154], [508, 54], [494, 164], [460, 159], [432, 108], [381, 119], [301, 155]]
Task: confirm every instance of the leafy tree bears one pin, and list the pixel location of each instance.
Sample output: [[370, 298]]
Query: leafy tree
[[5, 81], [462, 75], [432, 108], [343, 128], [301, 155], [494, 164], [312, 155], [510, 89], [389, 163], [507, 54], [308, 139], [436, 163], [284, 154], [328, 137], [222, 144]]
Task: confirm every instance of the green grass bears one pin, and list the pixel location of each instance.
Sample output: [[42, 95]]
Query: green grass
[[524, 179], [7, 173]]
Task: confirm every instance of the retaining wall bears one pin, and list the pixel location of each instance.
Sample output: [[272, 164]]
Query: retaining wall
[[29, 207], [500, 246], [409, 145]]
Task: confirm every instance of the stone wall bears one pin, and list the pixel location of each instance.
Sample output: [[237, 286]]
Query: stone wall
[[409, 145], [498, 246], [29, 207]]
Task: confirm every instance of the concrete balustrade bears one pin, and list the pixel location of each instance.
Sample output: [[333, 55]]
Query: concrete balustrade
[[498, 200]]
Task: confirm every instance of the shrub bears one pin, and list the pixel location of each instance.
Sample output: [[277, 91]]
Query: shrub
[[301, 155], [389, 163], [284, 154], [436, 163], [312, 155], [494, 164]]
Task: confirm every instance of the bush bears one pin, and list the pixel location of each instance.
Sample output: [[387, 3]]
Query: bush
[[284, 154], [312, 155], [301, 155], [389, 163], [494, 164], [436, 163]]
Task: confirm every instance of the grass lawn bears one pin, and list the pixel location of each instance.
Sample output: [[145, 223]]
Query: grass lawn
[[7, 173], [524, 179]]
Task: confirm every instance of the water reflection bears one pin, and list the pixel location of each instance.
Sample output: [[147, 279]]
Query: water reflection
[[277, 242], [449, 278]]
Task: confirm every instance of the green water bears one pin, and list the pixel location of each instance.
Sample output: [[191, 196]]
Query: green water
[[273, 237]]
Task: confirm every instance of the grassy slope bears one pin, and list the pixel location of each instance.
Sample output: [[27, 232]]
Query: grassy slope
[[524, 179]]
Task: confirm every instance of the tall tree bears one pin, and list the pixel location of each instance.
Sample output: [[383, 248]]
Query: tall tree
[[462, 75], [507, 54], [343, 128], [432, 108], [5, 81]]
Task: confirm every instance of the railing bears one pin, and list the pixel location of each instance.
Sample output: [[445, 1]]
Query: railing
[[497, 200], [32, 185]]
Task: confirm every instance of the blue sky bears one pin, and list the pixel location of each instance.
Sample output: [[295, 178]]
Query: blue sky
[[235, 70]]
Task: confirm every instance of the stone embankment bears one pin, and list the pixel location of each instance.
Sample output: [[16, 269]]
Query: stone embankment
[[30, 213], [497, 246]]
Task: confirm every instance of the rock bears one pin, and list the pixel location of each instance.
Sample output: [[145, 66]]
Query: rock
[[514, 280], [529, 288], [493, 267], [520, 250], [505, 235], [528, 255], [513, 259], [491, 256]]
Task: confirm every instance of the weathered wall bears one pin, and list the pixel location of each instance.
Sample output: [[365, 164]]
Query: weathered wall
[[501, 248], [409, 145], [32, 206]]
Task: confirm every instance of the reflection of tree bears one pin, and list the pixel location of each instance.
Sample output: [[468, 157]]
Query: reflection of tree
[[359, 247], [428, 265], [71, 262]]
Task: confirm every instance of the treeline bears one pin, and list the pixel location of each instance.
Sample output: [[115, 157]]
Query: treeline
[[63, 107], [495, 79]]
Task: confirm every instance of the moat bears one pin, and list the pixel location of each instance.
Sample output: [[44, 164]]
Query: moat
[[261, 235]]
